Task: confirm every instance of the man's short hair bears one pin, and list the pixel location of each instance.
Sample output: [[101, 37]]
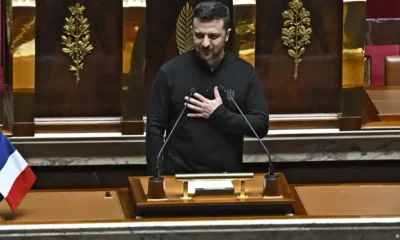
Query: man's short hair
[[213, 10]]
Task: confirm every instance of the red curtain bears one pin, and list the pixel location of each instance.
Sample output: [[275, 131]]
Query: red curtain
[[383, 8]]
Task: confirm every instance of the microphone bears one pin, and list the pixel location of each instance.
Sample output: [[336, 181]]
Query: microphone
[[156, 184], [159, 158], [271, 174]]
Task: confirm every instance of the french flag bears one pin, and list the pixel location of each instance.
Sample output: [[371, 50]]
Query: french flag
[[16, 177]]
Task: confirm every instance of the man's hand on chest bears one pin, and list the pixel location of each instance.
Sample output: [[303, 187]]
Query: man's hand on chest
[[203, 106]]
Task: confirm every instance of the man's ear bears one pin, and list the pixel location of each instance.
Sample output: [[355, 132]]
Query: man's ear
[[228, 32]]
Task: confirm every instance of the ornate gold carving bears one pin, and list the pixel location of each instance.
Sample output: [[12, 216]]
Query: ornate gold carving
[[184, 38], [296, 35], [9, 21], [28, 26], [76, 43], [245, 27]]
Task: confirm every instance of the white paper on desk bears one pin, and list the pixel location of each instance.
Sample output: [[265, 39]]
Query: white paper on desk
[[209, 185]]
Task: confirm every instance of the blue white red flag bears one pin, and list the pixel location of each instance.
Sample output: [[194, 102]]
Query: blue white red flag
[[16, 177]]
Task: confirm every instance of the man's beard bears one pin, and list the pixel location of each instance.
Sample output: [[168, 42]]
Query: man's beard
[[214, 59]]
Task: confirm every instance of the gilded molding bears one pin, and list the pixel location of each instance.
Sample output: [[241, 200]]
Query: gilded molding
[[353, 63], [21, 31]]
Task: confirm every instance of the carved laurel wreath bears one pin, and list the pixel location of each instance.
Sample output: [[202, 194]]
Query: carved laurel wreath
[[184, 39]]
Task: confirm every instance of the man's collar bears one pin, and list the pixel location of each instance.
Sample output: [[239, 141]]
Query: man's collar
[[205, 65]]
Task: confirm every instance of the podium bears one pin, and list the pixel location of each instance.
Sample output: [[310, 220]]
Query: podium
[[246, 197]]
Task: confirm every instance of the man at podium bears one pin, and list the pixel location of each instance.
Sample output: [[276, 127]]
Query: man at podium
[[195, 99]]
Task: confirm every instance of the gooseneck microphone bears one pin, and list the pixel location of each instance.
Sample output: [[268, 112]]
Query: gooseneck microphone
[[271, 169], [157, 176]]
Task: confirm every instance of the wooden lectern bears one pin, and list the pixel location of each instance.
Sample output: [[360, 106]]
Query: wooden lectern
[[247, 197]]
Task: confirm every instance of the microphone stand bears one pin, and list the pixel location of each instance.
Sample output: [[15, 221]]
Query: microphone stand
[[271, 180], [156, 186]]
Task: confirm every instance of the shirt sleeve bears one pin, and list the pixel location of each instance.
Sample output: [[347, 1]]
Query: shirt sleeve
[[157, 116], [255, 110]]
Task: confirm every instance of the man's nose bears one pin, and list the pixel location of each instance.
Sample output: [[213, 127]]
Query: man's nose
[[206, 42]]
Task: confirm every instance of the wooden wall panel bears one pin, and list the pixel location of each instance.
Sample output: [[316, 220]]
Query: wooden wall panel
[[317, 89], [98, 92]]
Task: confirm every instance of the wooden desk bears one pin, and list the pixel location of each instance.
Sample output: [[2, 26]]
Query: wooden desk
[[319, 215], [70, 206], [382, 102], [222, 205], [311, 201], [350, 199]]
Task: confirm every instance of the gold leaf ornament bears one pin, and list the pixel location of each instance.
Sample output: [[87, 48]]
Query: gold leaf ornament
[[243, 28], [184, 38], [296, 33], [76, 40]]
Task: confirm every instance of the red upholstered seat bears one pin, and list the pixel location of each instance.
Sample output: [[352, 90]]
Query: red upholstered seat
[[378, 55]]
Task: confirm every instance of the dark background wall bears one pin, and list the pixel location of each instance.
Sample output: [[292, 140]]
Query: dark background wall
[[383, 8]]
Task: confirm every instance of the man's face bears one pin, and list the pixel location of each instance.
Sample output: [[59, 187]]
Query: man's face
[[209, 39]]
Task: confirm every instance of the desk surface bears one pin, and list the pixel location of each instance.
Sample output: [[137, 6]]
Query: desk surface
[[71, 206], [327, 201], [358, 200], [79, 214]]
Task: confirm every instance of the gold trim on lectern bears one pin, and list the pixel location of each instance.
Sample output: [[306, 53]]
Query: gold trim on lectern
[[242, 177], [186, 190], [213, 176]]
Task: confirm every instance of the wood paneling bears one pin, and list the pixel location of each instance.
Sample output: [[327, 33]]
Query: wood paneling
[[98, 92], [318, 86], [23, 114], [134, 42]]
